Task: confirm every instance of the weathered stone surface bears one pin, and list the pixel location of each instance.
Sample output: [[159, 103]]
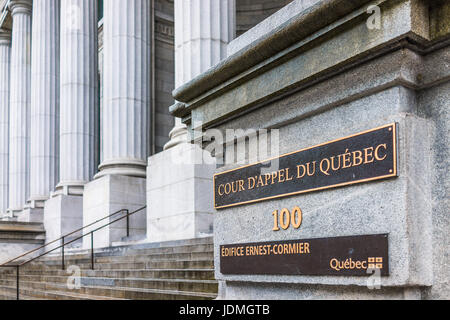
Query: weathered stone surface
[[277, 291], [439, 18], [373, 208], [326, 84], [434, 107]]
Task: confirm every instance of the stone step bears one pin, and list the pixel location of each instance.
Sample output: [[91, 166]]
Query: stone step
[[194, 246], [33, 294], [185, 253], [203, 286], [145, 245], [204, 255], [22, 232], [130, 252], [9, 297], [22, 237], [199, 274], [85, 259], [170, 264], [138, 248], [42, 289], [14, 226], [165, 244]]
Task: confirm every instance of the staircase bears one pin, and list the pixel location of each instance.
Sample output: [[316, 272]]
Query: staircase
[[159, 271]]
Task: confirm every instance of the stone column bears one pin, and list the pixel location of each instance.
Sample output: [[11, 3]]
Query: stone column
[[79, 95], [179, 180], [127, 87], [121, 181], [5, 59], [203, 30], [19, 162], [45, 101], [78, 154]]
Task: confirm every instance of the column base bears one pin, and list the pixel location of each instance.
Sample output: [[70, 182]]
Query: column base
[[123, 167], [10, 215], [33, 211], [178, 135], [13, 214], [63, 214], [36, 203], [180, 194], [75, 188], [109, 194]]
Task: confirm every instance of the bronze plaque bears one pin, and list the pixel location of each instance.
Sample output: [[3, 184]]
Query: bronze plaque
[[343, 256], [367, 156]]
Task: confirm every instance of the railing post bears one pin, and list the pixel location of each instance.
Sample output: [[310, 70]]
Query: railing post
[[63, 262], [17, 282], [92, 250], [128, 223]]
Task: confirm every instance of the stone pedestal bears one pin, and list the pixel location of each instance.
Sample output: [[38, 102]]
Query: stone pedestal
[[108, 195], [180, 194], [63, 214], [16, 238], [29, 214]]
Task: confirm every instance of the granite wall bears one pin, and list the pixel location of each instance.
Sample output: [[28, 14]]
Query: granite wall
[[322, 75]]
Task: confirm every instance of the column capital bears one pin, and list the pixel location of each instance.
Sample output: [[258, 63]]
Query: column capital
[[5, 37], [20, 6]]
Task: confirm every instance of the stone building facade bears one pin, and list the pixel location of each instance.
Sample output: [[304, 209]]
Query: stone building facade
[[85, 91], [111, 105]]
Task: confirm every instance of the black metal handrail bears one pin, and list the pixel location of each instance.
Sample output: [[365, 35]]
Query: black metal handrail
[[64, 244]]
